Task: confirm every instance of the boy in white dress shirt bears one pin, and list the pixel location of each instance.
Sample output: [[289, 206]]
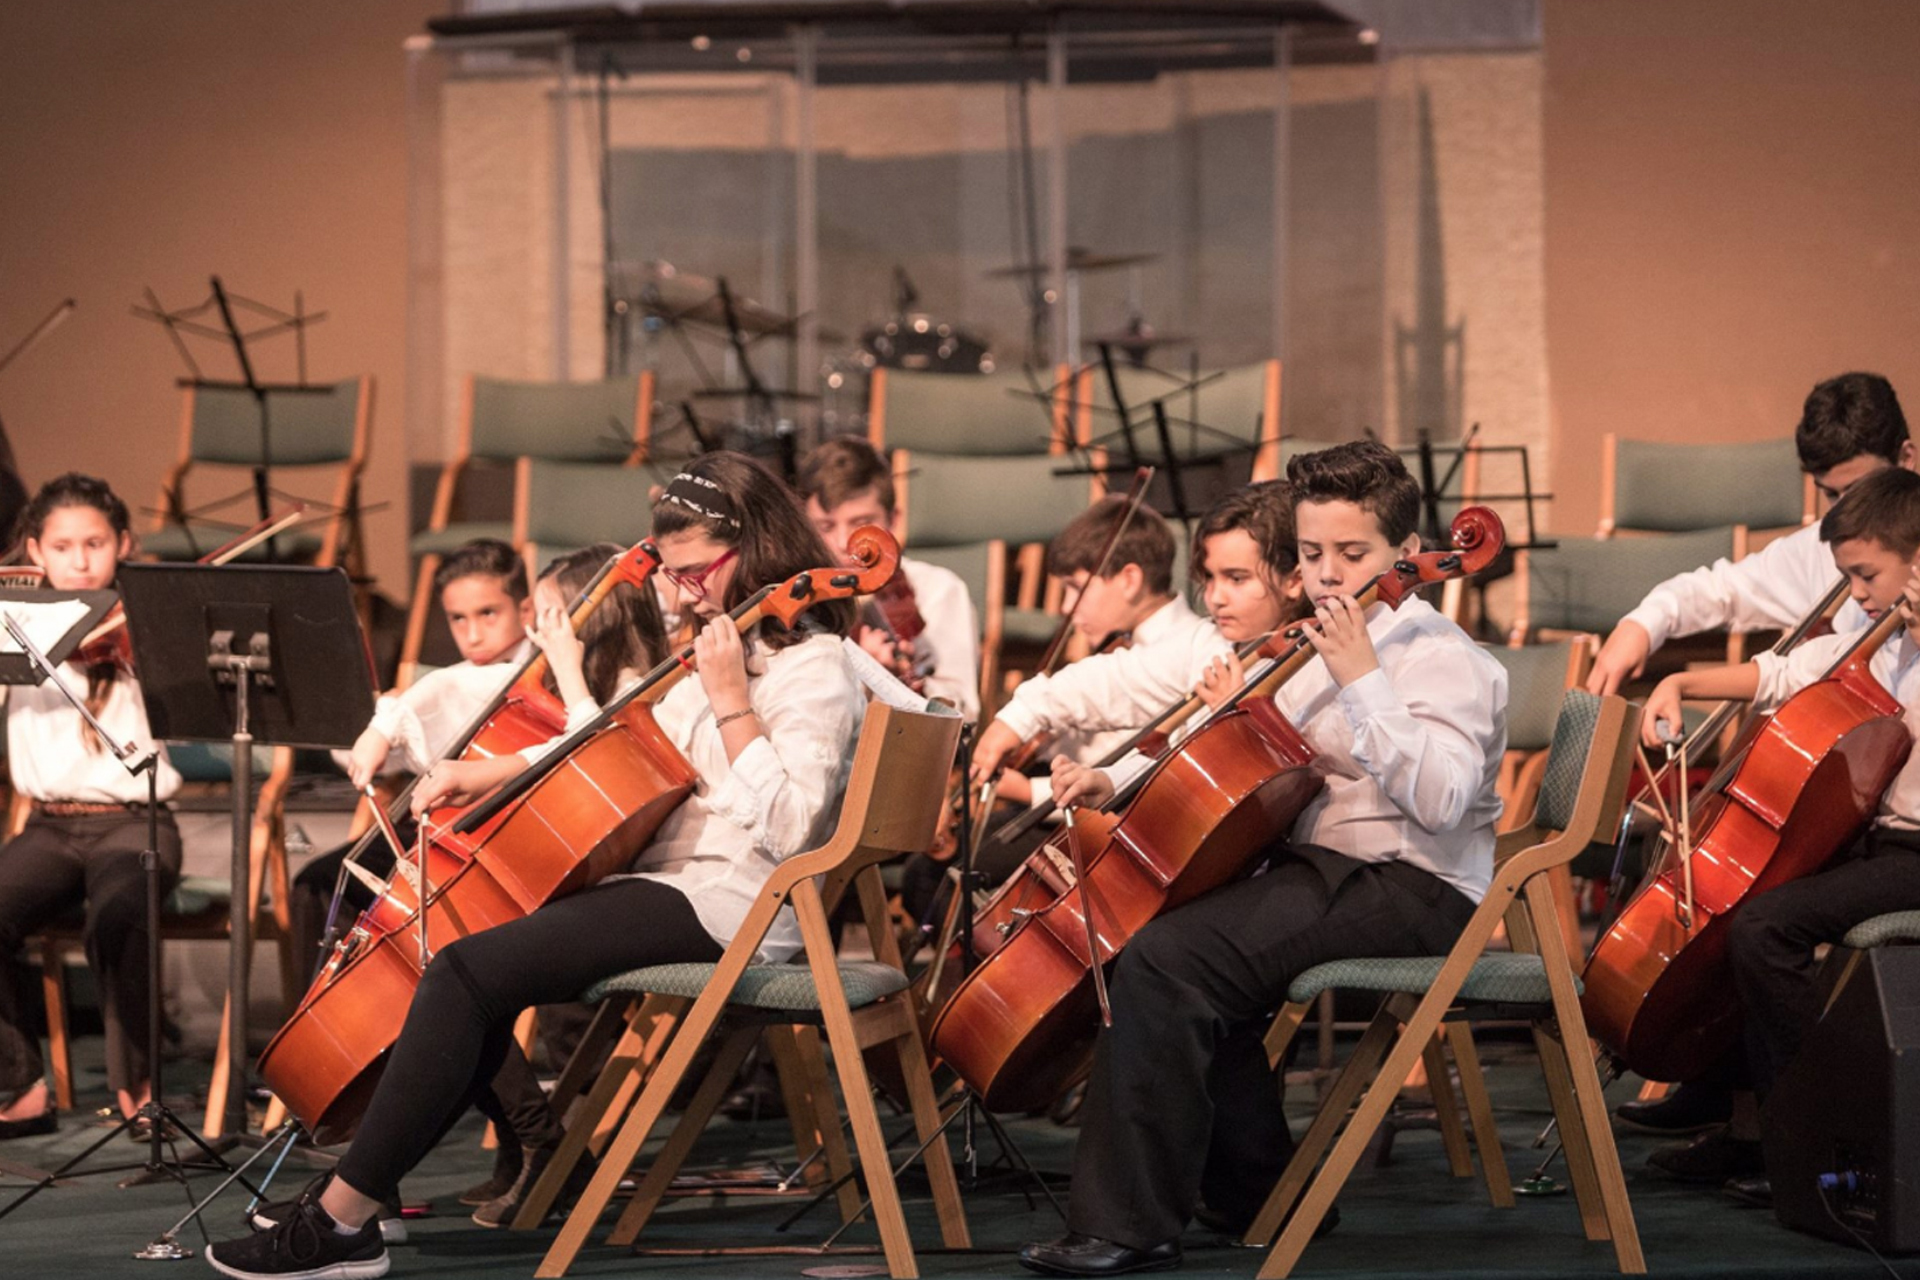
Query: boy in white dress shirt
[[1850, 427], [846, 484], [1408, 719], [1874, 534]]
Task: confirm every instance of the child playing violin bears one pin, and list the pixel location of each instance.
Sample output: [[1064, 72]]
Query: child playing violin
[[83, 839], [1874, 536], [846, 485], [1408, 719], [768, 722]]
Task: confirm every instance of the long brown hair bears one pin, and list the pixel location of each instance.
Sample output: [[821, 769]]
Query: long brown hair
[[747, 508], [76, 490], [624, 633]]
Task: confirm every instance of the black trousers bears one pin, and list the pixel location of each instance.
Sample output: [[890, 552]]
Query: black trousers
[[53, 866], [1181, 1103], [460, 1026], [1770, 942]]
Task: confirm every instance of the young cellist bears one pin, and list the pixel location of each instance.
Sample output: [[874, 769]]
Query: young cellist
[[83, 839], [1874, 537], [1408, 719], [1850, 427], [767, 720]]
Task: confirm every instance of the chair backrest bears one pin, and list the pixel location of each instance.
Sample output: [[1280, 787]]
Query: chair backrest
[[953, 501], [1234, 408], [1589, 584], [1005, 412], [1668, 488], [1537, 677], [304, 428], [893, 799], [596, 421], [980, 565], [563, 506], [1587, 765]]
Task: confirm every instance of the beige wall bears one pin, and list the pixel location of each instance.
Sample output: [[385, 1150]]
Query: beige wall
[[1730, 216], [157, 143]]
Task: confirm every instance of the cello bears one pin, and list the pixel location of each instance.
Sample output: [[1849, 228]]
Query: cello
[[1801, 786], [1020, 1028], [582, 812]]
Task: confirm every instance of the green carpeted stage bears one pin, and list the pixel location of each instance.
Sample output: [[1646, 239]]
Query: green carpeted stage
[[1407, 1219]]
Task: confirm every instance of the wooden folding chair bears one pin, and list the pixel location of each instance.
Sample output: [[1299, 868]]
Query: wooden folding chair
[[891, 806], [1580, 802]]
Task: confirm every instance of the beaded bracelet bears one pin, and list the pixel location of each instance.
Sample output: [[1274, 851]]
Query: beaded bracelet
[[731, 716]]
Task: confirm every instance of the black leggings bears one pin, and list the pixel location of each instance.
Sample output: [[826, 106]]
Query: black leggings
[[460, 1026]]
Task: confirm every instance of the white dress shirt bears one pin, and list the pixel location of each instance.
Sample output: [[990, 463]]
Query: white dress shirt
[[48, 753], [1410, 751], [1774, 587], [424, 721], [1896, 666], [952, 635], [780, 797]]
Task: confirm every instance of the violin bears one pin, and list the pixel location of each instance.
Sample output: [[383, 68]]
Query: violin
[[582, 812], [1020, 1028], [894, 610], [1799, 787]]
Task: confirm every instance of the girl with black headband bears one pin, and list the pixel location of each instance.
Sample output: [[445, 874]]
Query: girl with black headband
[[768, 723]]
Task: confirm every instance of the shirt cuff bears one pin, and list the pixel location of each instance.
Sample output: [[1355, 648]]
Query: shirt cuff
[[741, 796], [389, 713], [1022, 720], [1042, 791], [1369, 696], [578, 713], [1653, 621]]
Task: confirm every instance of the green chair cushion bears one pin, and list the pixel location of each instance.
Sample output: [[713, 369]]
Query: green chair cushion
[[195, 895], [1895, 926], [438, 542], [1536, 677], [1589, 584], [1566, 760], [1028, 626], [1499, 977], [1672, 487], [762, 986]]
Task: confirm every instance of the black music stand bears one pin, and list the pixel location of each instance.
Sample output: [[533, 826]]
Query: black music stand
[[248, 654], [43, 628]]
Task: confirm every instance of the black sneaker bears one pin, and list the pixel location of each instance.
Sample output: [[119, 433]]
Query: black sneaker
[[269, 1215], [304, 1246]]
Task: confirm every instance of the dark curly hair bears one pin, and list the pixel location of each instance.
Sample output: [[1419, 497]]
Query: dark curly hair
[[1365, 473], [1847, 416]]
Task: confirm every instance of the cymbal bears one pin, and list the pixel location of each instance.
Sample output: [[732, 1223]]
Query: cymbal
[[1081, 260], [664, 290]]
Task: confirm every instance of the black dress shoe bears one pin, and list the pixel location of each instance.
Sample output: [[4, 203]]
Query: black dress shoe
[[47, 1121], [1689, 1109], [1076, 1255], [1709, 1159], [1755, 1191]]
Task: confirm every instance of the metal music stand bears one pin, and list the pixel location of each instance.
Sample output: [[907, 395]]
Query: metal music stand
[[248, 654], [43, 629]]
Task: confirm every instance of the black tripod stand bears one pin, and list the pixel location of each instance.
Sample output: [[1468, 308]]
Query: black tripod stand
[[159, 1118]]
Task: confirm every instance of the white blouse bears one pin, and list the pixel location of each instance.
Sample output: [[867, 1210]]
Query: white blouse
[[48, 754], [423, 722]]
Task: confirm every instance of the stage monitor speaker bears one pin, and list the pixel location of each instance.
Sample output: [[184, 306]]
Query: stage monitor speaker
[[1842, 1125]]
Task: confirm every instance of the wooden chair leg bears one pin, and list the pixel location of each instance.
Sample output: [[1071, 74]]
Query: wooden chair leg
[[1286, 1024], [1591, 1103], [214, 1124], [609, 1020], [816, 1089], [632, 1134], [1446, 1110], [53, 988], [1323, 1055], [1573, 1137], [601, 1107], [1321, 1192], [1326, 1123], [938, 1158], [1486, 1132], [276, 1115], [693, 1122]]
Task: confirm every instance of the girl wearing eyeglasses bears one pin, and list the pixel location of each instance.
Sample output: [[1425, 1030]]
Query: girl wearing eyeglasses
[[769, 725]]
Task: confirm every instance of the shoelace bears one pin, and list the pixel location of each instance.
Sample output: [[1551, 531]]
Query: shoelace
[[300, 1234]]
